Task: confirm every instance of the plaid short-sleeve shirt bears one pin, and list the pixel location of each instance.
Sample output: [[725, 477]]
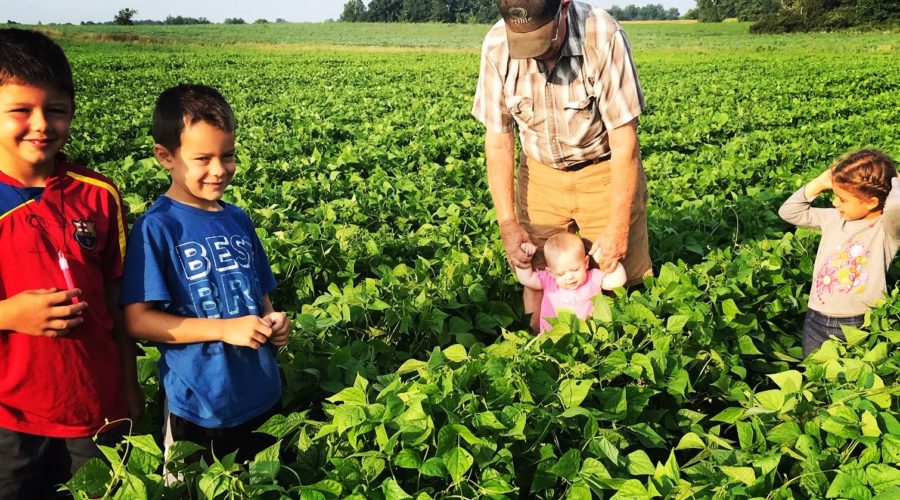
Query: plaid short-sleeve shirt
[[562, 116]]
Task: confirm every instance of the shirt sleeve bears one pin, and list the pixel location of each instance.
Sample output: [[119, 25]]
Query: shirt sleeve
[[546, 279], [798, 211], [116, 236], [489, 106], [144, 267], [620, 98], [595, 278], [891, 216]]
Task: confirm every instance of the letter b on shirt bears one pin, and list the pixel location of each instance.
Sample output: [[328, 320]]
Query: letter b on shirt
[[194, 261]]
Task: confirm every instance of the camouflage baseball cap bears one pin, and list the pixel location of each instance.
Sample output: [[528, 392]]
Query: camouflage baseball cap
[[529, 25]]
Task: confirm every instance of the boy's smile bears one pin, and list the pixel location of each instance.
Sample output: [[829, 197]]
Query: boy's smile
[[34, 126], [202, 167]]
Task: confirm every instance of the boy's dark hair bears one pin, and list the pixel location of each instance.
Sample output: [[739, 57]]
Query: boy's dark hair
[[866, 173], [187, 104], [32, 58]]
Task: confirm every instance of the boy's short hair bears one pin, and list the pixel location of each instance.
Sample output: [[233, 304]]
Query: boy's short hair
[[562, 243], [187, 104], [32, 58]]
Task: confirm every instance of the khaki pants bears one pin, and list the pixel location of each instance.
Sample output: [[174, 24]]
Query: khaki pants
[[550, 201]]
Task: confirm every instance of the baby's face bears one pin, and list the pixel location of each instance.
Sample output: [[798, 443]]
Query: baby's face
[[568, 269]]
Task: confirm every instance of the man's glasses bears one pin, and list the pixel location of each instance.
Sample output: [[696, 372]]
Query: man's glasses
[[558, 16]]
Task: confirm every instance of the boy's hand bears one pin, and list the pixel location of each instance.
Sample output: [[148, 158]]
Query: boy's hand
[[44, 312], [281, 328], [247, 331]]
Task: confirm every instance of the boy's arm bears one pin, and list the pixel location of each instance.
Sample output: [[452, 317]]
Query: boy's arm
[[134, 394], [144, 321], [528, 277], [43, 312]]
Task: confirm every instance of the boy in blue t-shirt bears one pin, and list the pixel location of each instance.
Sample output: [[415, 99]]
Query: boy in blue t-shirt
[[197, 283]]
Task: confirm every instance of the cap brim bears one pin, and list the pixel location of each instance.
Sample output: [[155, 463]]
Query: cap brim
[[531, 44]]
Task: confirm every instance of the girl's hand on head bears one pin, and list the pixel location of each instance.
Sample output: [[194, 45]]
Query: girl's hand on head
[[824, 180]]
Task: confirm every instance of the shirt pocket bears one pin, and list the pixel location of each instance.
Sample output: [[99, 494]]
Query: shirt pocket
[[583, 109], [583, 126], [521, 108]]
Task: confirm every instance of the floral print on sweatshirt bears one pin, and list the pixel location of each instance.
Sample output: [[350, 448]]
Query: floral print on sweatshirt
[[842, 272]]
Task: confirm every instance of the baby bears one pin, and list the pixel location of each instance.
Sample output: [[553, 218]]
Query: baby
[[567, 282]]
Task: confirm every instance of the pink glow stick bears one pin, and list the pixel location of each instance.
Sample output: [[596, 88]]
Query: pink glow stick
[[64, 267]]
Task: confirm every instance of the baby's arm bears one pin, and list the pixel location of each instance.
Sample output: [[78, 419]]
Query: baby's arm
[[144, 321], [614, 279], [528, 276], [797, 209]]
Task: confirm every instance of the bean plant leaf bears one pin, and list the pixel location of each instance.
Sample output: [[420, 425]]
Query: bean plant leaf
[[788, 381], [434, 467], [742, 474], [690, 441], [456, 353], [411, 365], [882, 477], [408, 459], [640, 464], [573, 392], [393, 491], [458, 462], [568, 464]]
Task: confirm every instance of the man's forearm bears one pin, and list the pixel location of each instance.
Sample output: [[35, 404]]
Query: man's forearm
[[624, 166], [500, 156]]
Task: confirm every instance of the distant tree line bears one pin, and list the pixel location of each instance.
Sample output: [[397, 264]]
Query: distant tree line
[[464, 11], [420, 11], [782, 16], [650, 12], [125, 17]]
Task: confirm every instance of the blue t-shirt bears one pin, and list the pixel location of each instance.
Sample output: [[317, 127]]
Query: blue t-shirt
[[201, 264]]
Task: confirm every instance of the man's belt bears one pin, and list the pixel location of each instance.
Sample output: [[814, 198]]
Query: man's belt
[[586, 163]]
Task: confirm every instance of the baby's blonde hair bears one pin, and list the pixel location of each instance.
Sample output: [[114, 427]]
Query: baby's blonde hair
[[563, 243]]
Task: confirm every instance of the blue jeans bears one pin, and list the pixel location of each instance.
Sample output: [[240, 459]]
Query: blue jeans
[[817, 328]]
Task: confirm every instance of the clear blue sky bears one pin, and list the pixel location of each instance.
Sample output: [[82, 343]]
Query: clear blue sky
[[75, 11]]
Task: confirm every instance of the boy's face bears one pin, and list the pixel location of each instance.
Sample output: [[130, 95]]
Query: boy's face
[[569, 269], [34, 126], [202, 167]]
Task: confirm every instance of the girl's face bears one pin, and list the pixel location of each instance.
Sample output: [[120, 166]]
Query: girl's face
[[852, 206]]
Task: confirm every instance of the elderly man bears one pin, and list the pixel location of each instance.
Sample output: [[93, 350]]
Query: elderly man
[[560, 72]]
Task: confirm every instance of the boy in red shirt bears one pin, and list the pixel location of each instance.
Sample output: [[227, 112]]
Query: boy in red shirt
[[67, 367]]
